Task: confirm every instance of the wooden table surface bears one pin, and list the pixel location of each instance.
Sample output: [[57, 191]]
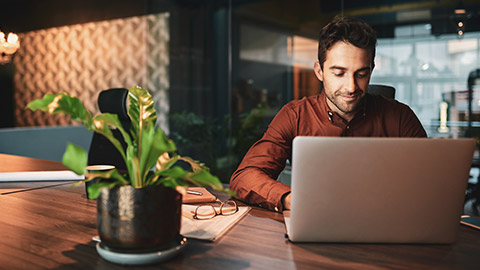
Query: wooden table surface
[[49, 225]]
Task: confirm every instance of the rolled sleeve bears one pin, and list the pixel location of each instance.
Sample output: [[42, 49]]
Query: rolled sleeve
[[255, 179]]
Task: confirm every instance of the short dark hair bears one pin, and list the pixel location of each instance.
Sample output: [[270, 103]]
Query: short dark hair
[[346, 29]]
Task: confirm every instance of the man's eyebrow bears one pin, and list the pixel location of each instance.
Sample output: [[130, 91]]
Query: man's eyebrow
[[368, 68], [337, 67], [343, 68]]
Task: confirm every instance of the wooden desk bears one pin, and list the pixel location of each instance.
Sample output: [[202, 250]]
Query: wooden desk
[[52, 227]]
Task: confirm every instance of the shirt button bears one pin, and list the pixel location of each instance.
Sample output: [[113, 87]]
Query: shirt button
[[348, 127], [276, 208]]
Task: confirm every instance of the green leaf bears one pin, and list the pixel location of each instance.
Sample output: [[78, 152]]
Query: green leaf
[[165, 161], [110, 174], [205, 178], [171, 183], [63, 103], [134, 168], [131, 155], [169, 177], [103, 179], [95, 189], [146, 148], [141, 111], [175, 172], [158, 144], [42, 104], [75, 158], [196, 165], [111, 120], [143, 117], [102, 123]]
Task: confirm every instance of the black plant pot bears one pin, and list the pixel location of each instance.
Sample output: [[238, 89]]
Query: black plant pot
[[137, 219]]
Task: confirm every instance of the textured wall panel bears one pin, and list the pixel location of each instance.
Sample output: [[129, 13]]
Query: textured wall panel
[[86, 58]]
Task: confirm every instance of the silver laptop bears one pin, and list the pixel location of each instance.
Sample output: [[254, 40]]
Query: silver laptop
[[377, 190]]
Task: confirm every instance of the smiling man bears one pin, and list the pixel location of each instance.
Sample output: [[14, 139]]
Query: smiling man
[[346, 58], [346, 76]]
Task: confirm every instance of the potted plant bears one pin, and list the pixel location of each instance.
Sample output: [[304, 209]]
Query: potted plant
[[141, 208]]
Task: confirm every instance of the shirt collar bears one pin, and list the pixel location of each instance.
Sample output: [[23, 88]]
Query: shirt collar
[[333, 117]]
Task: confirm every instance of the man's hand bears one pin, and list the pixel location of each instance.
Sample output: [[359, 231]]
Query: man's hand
[[286, 201]]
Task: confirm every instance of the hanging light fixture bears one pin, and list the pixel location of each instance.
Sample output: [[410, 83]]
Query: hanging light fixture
[[8, 46], [459, 18]]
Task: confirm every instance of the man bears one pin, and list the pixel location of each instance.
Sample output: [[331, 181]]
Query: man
[[346, 54]]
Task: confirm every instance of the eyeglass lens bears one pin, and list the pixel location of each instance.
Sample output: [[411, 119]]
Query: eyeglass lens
[[210, 211], [228, 208]]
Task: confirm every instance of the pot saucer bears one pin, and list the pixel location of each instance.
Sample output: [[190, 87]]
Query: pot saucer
[[132, 258]]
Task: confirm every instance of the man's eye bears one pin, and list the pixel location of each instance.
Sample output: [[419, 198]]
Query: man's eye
[[339, 74], [362, 75]]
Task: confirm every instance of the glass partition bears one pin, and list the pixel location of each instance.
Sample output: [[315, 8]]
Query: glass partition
[[430, 74], [236, 63]]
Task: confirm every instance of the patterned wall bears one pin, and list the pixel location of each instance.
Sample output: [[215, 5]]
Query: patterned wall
[[86, 58]]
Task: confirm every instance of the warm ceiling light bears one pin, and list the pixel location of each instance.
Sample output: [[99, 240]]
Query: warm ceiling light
[[8, 47], [460, 11]]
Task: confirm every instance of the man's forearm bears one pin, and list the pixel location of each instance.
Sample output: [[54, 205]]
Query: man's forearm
[[255, 187]]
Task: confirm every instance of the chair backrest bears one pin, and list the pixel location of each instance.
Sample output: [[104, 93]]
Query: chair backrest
[[382, 90], [114, 101], [102, 151]]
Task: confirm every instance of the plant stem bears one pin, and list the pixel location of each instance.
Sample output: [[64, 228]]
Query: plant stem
[[137, 179]]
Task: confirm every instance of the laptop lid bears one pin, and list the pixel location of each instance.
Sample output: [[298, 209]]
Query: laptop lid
[[382, 190]]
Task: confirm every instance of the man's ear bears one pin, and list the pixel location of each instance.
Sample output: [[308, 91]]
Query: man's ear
[[318, 70]]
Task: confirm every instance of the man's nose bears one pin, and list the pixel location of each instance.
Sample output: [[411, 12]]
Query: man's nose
[[350, 84]]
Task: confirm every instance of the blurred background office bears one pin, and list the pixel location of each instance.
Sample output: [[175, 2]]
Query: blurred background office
[[220, 70]]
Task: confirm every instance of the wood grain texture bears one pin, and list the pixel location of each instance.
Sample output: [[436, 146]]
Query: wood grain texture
[[11, 163], [52, 228]]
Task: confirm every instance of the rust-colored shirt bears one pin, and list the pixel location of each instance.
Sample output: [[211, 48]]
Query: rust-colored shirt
[[254, 180]]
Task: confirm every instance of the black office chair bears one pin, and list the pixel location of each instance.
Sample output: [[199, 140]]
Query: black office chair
[[102, 151], [382, 90], [473, 189]]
